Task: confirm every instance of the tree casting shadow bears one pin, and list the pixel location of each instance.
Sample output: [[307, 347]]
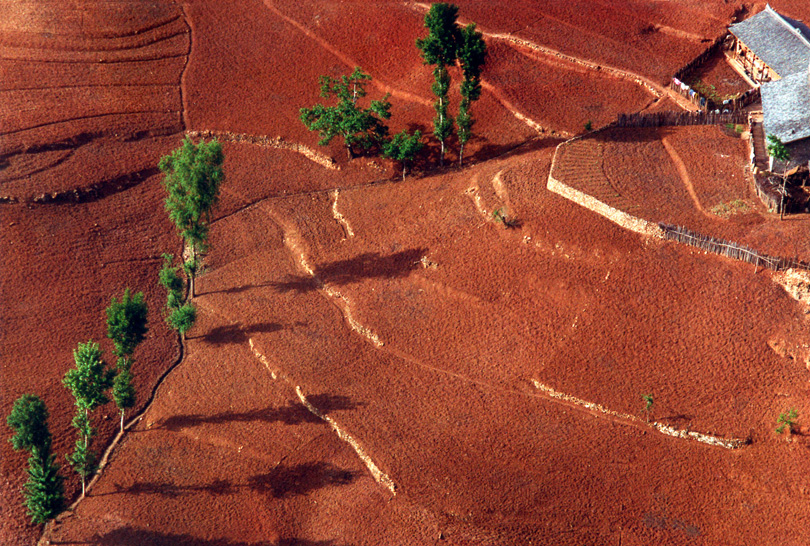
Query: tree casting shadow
[[128, 536], [363, 266], [236, 333], [291, 414]]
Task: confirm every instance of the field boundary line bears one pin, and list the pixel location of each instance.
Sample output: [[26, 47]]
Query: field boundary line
[[709, 439], [267, 142]]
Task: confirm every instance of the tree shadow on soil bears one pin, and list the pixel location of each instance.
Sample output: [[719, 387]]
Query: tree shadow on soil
[[128, 536], [289, 481], [236, 333], [368, 265], [291, 414], [282, 482]]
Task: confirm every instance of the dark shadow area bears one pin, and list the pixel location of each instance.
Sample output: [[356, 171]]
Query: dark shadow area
[[331, 402], [128, 536], [235, 289], [364, 266], [217, 487], [291, 414], [236, 333], [288, 481]]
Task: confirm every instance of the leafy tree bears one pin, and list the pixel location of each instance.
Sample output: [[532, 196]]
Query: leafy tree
[[126, 323], [183, 318], [472, 54], [44, 491], [88, 382], [403, 148], [357, 126], [778, 151], [126, 326], [29, 419], [193, 176], [172, 282], [440, 48]]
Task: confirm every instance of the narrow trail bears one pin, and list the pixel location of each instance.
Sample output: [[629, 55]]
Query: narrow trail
[[684, 175], [348, 61], [503, 101], [267, 142]]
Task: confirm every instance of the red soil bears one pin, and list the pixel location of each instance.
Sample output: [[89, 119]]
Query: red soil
[[717, 73], [426, 324], [632, 170]]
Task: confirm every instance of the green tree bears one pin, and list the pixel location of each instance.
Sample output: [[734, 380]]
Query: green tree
[[44, 491], [472, 54], [193, 176], [787, 420], [126, 326], [440, 48], [357, 126], [29, 419], [126, 322], [403, 148], [183, 318], [45, 488], [778, 151], [88, 382]]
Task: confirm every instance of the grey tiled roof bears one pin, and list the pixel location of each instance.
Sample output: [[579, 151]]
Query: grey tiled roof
[[776, 41], [786, 107]]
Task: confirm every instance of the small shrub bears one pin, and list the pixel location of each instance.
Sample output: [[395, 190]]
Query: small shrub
[[588, 125], [787, 420], [648, 405], [507, 220]]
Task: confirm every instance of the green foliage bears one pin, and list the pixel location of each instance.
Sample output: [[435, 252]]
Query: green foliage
[[83, 460], [440, 48], [588, 125], [786, 420], [183, 318], [89, 380], [193, 176], [357, 126], [29, 419], [126, 322], [403, 147], [441, 45], [123, 390], [44, 491], [168, 277], [648, 404], [776, 149], [472, 55], [500, 216]]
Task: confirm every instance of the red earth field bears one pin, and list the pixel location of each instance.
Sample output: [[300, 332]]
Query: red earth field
[[378, 361]]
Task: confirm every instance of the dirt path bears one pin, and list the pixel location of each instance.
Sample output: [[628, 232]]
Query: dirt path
[[348, 61], [684, 174]]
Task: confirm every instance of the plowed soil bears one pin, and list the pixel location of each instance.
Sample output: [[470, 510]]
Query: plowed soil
[[373, 358]]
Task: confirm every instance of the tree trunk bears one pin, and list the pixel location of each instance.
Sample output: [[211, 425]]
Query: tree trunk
[[782, 203], [461, 155], [349, 151], [403, 171], [122, 421], [193, 272]]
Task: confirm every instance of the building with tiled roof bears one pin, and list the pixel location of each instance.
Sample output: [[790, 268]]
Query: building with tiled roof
[[774, 51]]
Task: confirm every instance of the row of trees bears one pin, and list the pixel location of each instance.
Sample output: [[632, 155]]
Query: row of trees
[[447, 44], [89, 382], [193, 175]]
